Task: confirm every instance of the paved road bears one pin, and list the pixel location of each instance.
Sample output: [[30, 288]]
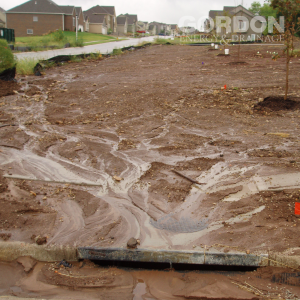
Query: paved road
[[103, 48]]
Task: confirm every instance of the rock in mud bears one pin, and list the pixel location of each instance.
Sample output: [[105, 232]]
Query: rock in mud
[[132, 243], [41, 240], [117, 178], [5, 236]]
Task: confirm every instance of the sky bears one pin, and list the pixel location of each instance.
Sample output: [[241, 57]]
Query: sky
[[166, 11]]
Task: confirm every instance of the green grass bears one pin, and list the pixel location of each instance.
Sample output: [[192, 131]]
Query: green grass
[[25, 66], [89, 38], [59, 39]]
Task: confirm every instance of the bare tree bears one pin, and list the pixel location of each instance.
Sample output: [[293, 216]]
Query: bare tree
[[290, 10]]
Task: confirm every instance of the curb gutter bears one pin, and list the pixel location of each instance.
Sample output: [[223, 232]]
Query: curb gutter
[[173, 257], [10, 251]]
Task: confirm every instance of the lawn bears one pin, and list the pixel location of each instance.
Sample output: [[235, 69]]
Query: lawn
[[60, 38]]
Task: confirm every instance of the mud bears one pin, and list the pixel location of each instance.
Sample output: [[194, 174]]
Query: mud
[[8, 88], [26, 277], [137, 117]]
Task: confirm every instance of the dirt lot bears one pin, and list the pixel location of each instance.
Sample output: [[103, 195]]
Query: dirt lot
[[91, 157]]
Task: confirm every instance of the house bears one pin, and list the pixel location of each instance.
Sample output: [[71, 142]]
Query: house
[[2, 18], [145, 26], [152, 29], [160, 27], [168, 29], [132, 22], [38, 17], [240, 21], [80, 18], [122, 25], [187, 30], [142, 26], [70, 14], [96, 23], [174, 29], [86, 23], [107, 16]]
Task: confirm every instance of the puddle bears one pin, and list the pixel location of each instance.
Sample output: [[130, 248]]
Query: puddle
[[140, 291]]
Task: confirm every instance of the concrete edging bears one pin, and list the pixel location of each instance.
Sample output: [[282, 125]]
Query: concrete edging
[[173, 257], [10, 251]]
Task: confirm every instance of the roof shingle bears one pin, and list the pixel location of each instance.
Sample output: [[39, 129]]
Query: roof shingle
[[121, 20], [110, 10], [67, 9], [131, 18], [94, 18], [37, 6]]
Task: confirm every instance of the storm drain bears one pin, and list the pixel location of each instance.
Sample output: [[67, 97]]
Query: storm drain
[[171, 257], [182, 225]]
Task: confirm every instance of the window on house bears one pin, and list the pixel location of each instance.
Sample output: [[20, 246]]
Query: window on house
[[35, 19], [74, 24], [29, 31], [242, 25]]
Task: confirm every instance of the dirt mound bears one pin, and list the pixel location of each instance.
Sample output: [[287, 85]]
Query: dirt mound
[[278, 103], [8, 87]]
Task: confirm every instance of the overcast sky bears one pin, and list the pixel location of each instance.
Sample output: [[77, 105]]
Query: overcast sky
[[166, 11]]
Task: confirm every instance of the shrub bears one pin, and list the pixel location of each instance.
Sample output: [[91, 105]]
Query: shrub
[[160, 41], [79, 43], [7, 59], [58, 36], [117, 51]]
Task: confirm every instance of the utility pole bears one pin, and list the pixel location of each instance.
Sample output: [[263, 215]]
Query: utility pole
[[76, 27]]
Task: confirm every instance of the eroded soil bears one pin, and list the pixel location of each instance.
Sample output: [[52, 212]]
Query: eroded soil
[[86, 280], [91, 157]]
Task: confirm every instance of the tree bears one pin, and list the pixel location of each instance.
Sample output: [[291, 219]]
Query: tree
[[267, 11], [290, 9], [263, 10], [255, 8]]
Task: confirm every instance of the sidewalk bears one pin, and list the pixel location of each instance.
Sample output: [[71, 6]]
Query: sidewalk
[[103, 48]]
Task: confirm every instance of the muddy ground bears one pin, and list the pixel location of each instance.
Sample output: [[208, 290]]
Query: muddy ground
[[90, 155], [26, 277]]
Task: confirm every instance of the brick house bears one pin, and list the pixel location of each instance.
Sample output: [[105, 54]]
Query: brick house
[[102, 17], [37, 17], [234, 11], [2, 18]]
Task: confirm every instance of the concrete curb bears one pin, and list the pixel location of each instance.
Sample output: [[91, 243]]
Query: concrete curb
[[280, 260], [10, 251], [174, 257]]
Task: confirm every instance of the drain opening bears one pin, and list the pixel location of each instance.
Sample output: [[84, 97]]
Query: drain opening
[[174, 266]]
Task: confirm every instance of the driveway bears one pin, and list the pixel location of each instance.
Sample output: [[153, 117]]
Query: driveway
[[103, 48]]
